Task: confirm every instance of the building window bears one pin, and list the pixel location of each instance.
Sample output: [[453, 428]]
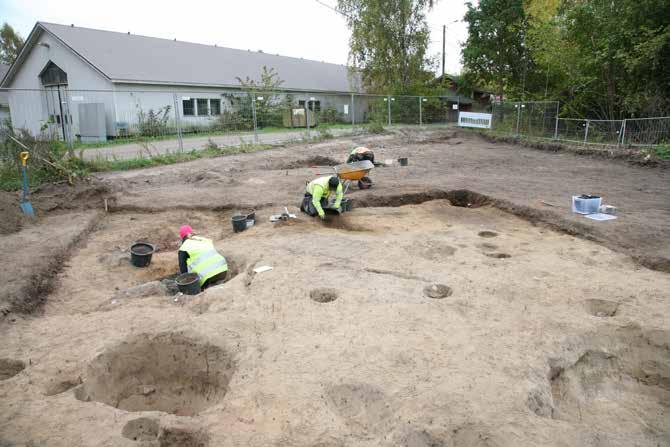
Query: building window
[[313, 105], [53, 75], [203, 107], [187, 105], [215, 107]]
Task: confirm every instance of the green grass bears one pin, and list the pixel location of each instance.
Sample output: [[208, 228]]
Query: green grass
[[663, 152], [103, 165], [203, 134]]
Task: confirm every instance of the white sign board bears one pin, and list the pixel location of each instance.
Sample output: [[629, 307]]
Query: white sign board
[[469, 119], [77, 98], [454, 106], [346, 109]]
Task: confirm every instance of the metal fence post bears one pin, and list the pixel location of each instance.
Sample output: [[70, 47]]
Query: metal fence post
[[67, 120], [389, 108], [586, 132], [623, 133], [420, 117], [558, 105], [353, 121], [177, 121], [253, 114], [518, 117]]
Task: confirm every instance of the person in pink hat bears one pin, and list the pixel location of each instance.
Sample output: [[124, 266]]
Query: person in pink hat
[[198, 255]]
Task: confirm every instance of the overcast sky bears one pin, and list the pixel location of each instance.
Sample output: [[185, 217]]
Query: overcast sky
[[300, 28]]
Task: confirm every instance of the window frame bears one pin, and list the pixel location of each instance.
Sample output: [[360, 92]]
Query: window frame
[[191, 100], [211, 109]]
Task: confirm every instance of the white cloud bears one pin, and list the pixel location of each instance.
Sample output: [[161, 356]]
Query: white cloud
[[299, 28]]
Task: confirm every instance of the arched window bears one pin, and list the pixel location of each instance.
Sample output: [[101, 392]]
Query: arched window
[[53, 75]]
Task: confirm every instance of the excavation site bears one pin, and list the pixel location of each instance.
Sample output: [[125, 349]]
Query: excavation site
[[457, 302]]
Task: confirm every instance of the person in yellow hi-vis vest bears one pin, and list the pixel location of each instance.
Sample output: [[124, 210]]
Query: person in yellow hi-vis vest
[[198, 255], [318, 195]]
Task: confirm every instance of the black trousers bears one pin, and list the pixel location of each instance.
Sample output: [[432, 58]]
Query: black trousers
[[307, 206], [214, 279]]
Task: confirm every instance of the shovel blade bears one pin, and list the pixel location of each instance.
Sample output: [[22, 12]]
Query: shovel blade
[[27, 209]]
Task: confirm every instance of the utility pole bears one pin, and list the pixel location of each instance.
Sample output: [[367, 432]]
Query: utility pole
[[444, 43]]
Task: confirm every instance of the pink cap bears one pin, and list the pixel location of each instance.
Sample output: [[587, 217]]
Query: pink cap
[[185, 230]]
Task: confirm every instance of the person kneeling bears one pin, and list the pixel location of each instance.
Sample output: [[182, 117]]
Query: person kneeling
[[198, 255], [361, 153], [317, 195]]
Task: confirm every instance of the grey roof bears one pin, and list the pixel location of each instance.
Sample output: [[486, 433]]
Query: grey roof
[[126, 57]]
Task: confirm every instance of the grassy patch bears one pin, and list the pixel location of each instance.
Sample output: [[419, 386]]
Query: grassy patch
[[205, 133], [663, 152], [103, 165]]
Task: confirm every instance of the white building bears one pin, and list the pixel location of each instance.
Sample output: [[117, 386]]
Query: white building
[[67, 78]]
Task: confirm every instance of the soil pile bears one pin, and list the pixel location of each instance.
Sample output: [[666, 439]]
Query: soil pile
[[12, 219]]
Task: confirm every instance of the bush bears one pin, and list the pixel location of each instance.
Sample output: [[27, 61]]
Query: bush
[[324, 134], [663, 152], [48, 162], [375, 127], [328, 116], [152, 124], [233, 121]]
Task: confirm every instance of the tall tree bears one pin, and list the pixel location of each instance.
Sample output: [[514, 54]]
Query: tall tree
[[495, 51], [388, 44], [10, 44]]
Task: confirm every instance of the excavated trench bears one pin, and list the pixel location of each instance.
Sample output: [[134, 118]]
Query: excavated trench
[[619, 383], [43, 281], [9, 368], [167, 372]]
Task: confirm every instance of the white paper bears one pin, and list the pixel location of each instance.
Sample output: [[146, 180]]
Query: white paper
[[263, 268], [346, 109], [600, 217], [77, 98]]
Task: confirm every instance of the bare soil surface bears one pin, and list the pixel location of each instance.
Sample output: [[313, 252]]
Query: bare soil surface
[[459, 304], [535, 184]]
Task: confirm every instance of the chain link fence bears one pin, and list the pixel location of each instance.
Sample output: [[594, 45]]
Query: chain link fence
[[540, 119], [180, 120], [191, 119]]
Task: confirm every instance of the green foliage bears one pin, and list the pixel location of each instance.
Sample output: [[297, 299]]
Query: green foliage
[[494, 51], [325, 134], [11, 43], [48, 162], [153, 123], [601, 58], [328, 115], [388, 43], [375, 127], [268, 102], [663, 152]]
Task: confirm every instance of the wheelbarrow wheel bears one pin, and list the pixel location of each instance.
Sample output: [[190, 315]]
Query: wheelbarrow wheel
[[365, 183]]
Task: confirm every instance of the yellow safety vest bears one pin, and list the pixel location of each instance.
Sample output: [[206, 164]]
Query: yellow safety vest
[[203, 258], [319, 188]]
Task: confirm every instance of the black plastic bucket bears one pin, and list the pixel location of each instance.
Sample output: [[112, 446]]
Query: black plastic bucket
[[188, 283], [347, 204], [239, 223], [140, 254], [403, 161]]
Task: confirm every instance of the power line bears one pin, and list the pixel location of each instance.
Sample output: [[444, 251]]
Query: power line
[[332, 9]]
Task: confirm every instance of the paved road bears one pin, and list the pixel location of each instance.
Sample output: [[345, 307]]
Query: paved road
[[135, 150]]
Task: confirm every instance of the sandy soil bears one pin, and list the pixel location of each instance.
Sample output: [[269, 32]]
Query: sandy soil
[[419, 325], [536, 184]]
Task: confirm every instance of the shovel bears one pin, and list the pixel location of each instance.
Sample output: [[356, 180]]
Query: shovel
[[26, 206]]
